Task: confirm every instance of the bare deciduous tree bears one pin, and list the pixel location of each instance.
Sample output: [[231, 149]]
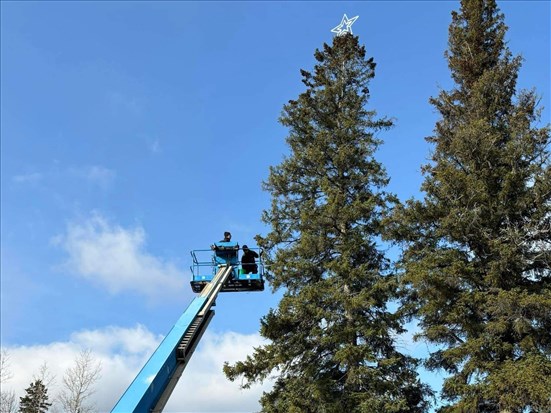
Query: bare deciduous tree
[[5, 372], [78, 384], [44, 375], [8, 401], [48, 378]]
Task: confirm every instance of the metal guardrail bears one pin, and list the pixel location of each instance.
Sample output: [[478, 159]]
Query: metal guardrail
[[200, 263]]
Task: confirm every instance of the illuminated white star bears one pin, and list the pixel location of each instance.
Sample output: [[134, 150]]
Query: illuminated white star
[[345, 26]]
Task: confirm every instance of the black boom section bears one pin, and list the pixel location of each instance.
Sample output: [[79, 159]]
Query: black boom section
[[192, 336]]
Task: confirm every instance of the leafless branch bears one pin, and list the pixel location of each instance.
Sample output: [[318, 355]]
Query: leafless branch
[[78, 383]]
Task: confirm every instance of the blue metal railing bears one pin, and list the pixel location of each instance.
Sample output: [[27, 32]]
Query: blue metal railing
[[204, 263]]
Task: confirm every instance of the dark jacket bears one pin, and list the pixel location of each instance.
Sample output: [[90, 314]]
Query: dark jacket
[[249, 257]]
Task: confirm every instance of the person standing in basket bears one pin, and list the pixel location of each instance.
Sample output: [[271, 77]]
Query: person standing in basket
[[248, 262], [227, 238]]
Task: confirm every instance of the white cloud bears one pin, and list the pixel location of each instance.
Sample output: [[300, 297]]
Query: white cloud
[[99, 175], [155, 146], [212, 392], [95, 175], [119, 102], [122, 353], [27, 178], [114, 257]]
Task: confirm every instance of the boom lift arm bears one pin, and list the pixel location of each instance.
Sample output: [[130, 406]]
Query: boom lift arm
[[150, 390]]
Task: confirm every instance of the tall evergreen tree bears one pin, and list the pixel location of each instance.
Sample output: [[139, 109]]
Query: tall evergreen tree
[[478, 252], [332, 336], [36, 399]]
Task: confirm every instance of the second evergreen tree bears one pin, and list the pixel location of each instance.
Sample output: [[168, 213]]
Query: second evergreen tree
[[478, 256]]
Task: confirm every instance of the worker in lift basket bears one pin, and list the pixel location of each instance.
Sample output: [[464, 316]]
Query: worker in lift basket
[[227, 238], [248, 262]]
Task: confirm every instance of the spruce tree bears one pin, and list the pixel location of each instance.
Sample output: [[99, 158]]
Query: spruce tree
[[478, 247], [332, 336], [36, 399]]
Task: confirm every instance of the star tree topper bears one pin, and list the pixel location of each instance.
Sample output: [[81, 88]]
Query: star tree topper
[[345, 26]]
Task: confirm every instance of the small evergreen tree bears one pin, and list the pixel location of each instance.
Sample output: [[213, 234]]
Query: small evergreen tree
[[332, 336], [478, 250], [36, 399]]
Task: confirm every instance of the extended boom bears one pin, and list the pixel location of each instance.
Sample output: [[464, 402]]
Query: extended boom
[[150, 390]]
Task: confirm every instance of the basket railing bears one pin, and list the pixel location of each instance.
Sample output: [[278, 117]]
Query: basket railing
[[203, 262]]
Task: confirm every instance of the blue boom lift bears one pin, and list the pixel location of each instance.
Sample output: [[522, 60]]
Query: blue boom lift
[[152, 387]]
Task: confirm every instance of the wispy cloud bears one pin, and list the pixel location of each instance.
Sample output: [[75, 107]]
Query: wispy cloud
[[95, 175], [27, 178], [115, 258], [123, 351], [155, 146], [121, 102]]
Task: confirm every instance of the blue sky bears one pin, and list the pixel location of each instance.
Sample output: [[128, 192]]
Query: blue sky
[[134, 132]]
